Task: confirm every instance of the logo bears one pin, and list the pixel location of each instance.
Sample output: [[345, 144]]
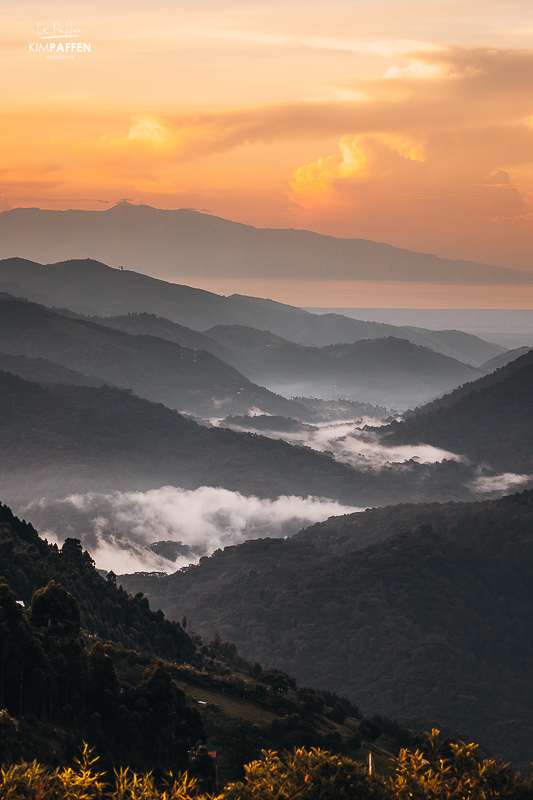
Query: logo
[[59, 41]]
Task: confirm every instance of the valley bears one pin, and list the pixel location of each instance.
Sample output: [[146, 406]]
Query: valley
[[222, 472]]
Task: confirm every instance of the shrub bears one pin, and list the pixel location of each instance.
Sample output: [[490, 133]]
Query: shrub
[[440, 771]]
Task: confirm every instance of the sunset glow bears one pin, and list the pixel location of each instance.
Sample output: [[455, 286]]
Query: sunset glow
[[406, 124]]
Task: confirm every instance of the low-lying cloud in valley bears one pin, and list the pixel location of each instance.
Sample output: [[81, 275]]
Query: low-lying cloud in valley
[[117, 528], [505, 482], [348, 442]]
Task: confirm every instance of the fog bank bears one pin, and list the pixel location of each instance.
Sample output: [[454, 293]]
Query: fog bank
[[117, 528], [349, 443], [507, 481]]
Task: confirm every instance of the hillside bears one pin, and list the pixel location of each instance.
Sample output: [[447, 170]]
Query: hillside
[[104, 439], [387, 371], [184, 242], [490, 379], [91, 288], [159, 370], [490, 420], [150, 325], [86, 662], [433, 620], [42, 370], [501, 361]]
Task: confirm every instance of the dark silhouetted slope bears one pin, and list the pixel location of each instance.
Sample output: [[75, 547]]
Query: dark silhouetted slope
[[84, 662], [28, 563], [490, 420], [56, 440], [44, 371], [91, 288], [160, 370], [150, 325], [505, 358], [434, 621]]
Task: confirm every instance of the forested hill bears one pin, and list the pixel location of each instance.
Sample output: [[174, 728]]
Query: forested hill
[[389, 370], [86, 662], [42, 370], [434, 621], [55, 440], [158, 369], [28, 563], [496, 375], [90, 287], [342, 535], [492, 423]]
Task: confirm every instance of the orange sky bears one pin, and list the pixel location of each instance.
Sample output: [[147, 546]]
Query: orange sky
[[407, 123]]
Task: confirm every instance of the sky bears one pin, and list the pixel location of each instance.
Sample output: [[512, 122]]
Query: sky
[[409, 123]]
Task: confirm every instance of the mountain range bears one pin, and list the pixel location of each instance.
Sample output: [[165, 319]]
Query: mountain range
[[382, 371], [91, 288], [160, 370], [422, 605], [386, 370], [416, 610], [58, 439], [186, 243]]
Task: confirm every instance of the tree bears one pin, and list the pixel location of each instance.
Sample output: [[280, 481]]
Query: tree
[[54, 608], [310, 699], [369, 729], [277, 680], [22, 661], [338, 713]]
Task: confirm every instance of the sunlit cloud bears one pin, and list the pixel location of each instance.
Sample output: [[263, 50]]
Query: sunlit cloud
[[441, 142], [474, 95], [384, 48]]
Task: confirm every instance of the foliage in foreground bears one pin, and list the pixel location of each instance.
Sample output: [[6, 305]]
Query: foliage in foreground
[[440, 771]]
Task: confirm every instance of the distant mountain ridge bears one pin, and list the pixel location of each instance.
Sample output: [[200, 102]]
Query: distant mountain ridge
[[382, 371], [56, 440], [181, 243], [42, 370], [93, 289], [162, 371]]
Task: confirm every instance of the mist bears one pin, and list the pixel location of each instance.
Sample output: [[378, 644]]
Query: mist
[[351, 444], [383, 389], [118, 528], [499, 483]]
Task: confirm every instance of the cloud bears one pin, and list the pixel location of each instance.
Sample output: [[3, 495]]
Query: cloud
[[406, 158], [499, 483], [441, 125], [439, 90], [501, 177], [422, 150], [117, 527], [385, 48], [349, 443]]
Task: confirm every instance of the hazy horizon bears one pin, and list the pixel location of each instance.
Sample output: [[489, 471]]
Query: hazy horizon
[[405, 124], [292, 266]]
